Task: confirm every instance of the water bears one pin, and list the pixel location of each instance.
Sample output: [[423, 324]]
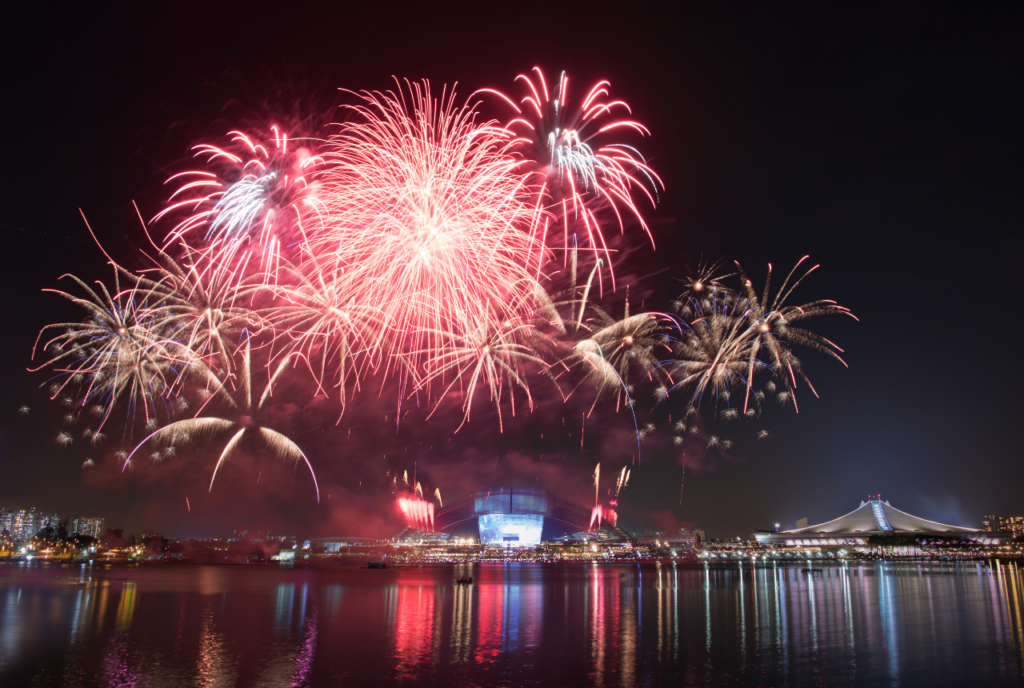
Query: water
[[518, 625]]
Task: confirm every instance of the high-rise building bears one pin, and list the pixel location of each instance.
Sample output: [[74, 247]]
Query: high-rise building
[[87, 525], [5, 520], [1004, 524], [47, 521], [24, 524]]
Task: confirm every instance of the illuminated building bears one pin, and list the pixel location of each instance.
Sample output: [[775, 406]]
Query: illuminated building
[[337, 544], [5, 521], [24, 524], [48, 521], [1004, 524], [87, 525], [513, 516], [684, 539], [873, 517]]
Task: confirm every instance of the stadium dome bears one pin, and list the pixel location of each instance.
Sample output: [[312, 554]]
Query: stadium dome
[[518, 516], [872, 517]]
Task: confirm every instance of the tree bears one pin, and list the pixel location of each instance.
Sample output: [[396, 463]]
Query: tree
[[115, 539]]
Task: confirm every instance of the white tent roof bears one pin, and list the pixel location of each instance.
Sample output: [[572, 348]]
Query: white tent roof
[[876, 516]]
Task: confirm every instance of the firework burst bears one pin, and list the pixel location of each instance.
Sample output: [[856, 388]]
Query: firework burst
[[495, 358], [249, 198], [119, 351], [414, 244], [204, 300], [336, 336], [578, 174], [733, 336], [428, 220], [245, 419]]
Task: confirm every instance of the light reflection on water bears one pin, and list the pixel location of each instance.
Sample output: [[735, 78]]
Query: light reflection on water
[[893, 624]]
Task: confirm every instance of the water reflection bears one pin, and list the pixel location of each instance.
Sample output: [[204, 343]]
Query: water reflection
[[519, 624], [462, 624], [215, 668], [126, 606], [415, 627], [289, 659]]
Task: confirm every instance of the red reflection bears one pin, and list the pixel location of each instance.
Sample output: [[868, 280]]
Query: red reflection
[[605, 633], [414, 628], [490, 636]]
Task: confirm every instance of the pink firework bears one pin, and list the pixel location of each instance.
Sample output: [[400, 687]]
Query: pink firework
[[418, 512], [249, 198], [429, 220], [580, 175]]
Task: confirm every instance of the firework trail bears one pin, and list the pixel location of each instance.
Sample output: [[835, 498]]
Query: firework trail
[[246, 419], [682, 484], [203, 300], [577, 174], [623, 481], [492, 358]]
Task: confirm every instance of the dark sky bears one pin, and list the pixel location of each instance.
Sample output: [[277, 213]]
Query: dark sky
[[885, 142]]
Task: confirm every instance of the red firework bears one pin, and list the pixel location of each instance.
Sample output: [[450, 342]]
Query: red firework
[[428, 220], [250, 197], [577, 172], [418, 512]]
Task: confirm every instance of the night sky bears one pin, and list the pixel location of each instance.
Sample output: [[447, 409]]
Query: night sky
[[884, 142]]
